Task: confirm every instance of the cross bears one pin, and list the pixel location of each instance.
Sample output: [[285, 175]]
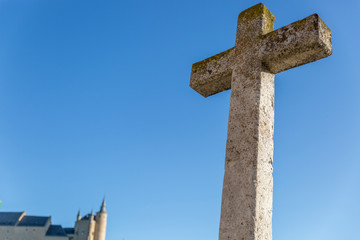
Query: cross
[[249, 69]]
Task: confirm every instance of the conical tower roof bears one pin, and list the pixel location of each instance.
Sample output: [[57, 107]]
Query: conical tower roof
[[103, 206], [78, 217]]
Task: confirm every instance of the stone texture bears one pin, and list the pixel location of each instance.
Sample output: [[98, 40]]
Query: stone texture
[[248, 69]]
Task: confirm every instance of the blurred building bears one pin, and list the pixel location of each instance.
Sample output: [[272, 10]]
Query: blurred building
[[19, 226]]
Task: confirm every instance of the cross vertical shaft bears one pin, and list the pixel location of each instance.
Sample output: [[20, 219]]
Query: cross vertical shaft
[[246, 208], [249, 69]]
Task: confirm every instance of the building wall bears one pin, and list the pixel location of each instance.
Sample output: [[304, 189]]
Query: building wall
[[7, 232], [23, 233], [71, 236], [56, 238], [84, 229]]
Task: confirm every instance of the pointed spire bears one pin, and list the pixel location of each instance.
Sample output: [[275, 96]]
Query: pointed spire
[[92, 212], [78, 217], [103, 206]]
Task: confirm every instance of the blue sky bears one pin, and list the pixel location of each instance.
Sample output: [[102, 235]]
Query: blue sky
[[94, 101]]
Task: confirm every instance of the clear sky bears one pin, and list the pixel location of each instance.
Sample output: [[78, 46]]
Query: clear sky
[[95, 100]]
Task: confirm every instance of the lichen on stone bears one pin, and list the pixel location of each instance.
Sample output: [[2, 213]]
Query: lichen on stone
[[202, 64]]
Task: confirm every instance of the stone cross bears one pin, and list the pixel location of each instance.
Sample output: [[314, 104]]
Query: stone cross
[[249, 69]]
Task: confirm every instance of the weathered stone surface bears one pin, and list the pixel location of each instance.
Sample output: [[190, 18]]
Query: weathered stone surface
[[213, 75], [248, 69], [299, 43]]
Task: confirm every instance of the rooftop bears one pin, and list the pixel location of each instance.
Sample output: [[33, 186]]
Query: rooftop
[[33, 221], [56, 230], [9, 218], [20, 219]]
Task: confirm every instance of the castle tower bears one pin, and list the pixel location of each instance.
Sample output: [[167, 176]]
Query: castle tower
[[85, 227], [101, 218]]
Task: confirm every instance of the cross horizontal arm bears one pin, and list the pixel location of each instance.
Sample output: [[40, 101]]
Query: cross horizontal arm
[[298, 43], [212, 75]]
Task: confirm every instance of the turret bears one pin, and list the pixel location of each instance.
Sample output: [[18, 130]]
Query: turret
[[78, 217], [103, 206], [101, 218], [85, 227]]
